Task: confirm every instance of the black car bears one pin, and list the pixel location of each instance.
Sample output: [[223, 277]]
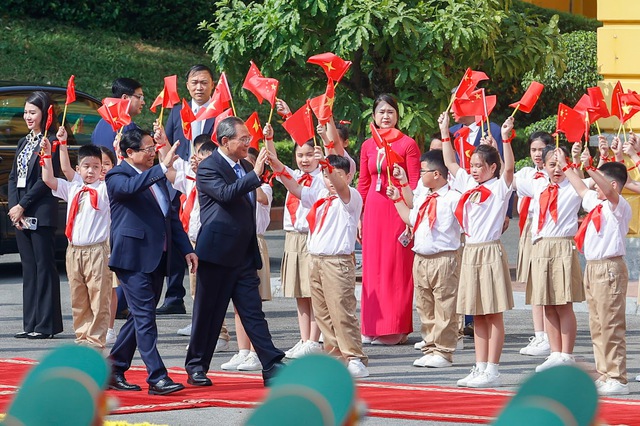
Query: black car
[[82, 117]]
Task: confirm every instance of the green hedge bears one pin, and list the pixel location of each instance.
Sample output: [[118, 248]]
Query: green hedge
[[567, 23], [174, 21]]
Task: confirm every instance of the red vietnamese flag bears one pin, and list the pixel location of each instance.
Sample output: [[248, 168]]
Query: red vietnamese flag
[[529, 98], [115, 111], [334, 66], [463, 147], [630, 105], [253, 124], [598, 107], [392, 156], [616, 107], [469, 81], [262, 87], [300, 125], [570, 122], [469, 107], [390, 134], [186, 117], [225, 114], [220, 100], [322, 105], [71, 90], [168, 97], [49, 118]]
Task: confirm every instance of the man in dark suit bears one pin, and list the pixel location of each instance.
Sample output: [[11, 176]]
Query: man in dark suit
[[143, 224], [228, 248], [200, 87]]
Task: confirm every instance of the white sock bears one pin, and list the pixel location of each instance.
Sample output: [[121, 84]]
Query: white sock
[[244, 352], [540, 334], [110, 329], [566, 355], [491, 369], [481, 366]]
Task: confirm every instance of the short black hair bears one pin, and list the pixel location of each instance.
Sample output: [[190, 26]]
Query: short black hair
[[132, 139], [489, 155], [435, 160], [109, 153], [545, 137], [198, 68], [551, 148], [42, 100], [89, 150], [200, 139], [207, 147], [615, 171], [339, 162], [227, 128], [124, 86]]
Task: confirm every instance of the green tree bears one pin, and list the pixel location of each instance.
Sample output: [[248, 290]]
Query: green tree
[[415, 49]]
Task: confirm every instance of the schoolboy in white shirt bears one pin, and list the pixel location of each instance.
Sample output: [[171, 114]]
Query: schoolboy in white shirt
[[88, 223], [333, 221], [435, 266]]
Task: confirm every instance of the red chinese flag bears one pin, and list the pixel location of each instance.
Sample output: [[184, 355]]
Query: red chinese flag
[[49, 118], [469, 81], [253, 124], [630, 105], [262, 87], [529, 98], [616, 107], [570, 122], [334, 66], [300, 125], [469, 107], [463, 147], [583, 105], [491, 104], [598, 107], [220, 100], [227, 113], [253, 72], [322, 105], [187, 117], [168, 97], [71, 90]]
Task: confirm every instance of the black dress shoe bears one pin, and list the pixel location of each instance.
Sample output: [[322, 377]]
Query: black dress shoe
[[176, 308], [165, 387], [118, 382], [271, 372], [38, 336], [199, 379], [21, 335], [123, 314]]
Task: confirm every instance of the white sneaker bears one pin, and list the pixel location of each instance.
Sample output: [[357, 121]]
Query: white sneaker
[[111, 336], [433, 361], [357, 369], [613, 387], [600, 383], [485, 380], [186, 331], [555, 359], [250, 363], [368, 339], [421, 344], [460, 344], [638, 378], [234, 362], [537, 346], [308, 347], [463, 383], [222, 345], [290, 352]]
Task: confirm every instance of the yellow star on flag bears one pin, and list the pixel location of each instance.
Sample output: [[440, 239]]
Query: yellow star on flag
[[255, 125], [329, 66], [626, 109]]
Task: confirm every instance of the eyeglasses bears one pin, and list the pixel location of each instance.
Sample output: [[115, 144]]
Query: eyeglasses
[[141, 97], [245, 140], [148, 150], [422, 171]]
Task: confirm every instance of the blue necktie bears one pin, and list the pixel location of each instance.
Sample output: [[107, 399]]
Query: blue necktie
[[240, 173]]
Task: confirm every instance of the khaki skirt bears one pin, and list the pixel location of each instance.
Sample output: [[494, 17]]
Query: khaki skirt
[[294, 270], [523, 266], [556, 277], [265, 273], [485, 283]]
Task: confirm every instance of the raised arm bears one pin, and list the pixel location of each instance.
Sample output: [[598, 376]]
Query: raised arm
[[506, 132], [402, 208], [448, 152], [571, 173], [48, 176], [65, 163], [340, 185], [287, 180]]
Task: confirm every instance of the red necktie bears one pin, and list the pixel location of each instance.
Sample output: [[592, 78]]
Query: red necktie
[[594, 216], [75, 205], [293, 202], [429, 206], [186, 206], [548, 202], [312, 216], [484, 194], [525, 204]]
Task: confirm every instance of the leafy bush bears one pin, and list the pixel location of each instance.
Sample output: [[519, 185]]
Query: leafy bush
[[171, 20], [567, 23]]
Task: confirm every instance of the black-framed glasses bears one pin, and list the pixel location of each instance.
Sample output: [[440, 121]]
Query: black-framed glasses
[[148, 150]]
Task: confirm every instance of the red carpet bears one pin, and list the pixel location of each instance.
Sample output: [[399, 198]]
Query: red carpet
[[391, 400]]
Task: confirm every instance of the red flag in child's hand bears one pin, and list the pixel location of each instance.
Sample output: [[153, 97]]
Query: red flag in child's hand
[[630, 105], [616, 107], [254, 71], [469, 107], [322, 105], [300, 125], [168, 97], [220, 100], [334, 66], [463, 147], [529, 98], [570, 122], [261, 87], [469, 81], [227, 113], [253, 124], [115, 111], [49, 117], [71, 90], [598, 108], [187, 117], [392, 156], [491, 104]]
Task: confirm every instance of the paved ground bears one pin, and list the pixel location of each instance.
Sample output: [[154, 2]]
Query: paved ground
[[387, 364]]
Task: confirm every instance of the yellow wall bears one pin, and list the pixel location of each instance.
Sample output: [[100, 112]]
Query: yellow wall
[[583, 7]]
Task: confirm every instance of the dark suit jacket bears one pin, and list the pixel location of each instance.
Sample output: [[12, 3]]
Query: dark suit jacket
[[495, 132], [36, 197], [228, 216], [139, 229], [174, 132]]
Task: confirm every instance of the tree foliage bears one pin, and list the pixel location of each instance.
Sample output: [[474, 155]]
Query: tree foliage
[[417, 50]]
